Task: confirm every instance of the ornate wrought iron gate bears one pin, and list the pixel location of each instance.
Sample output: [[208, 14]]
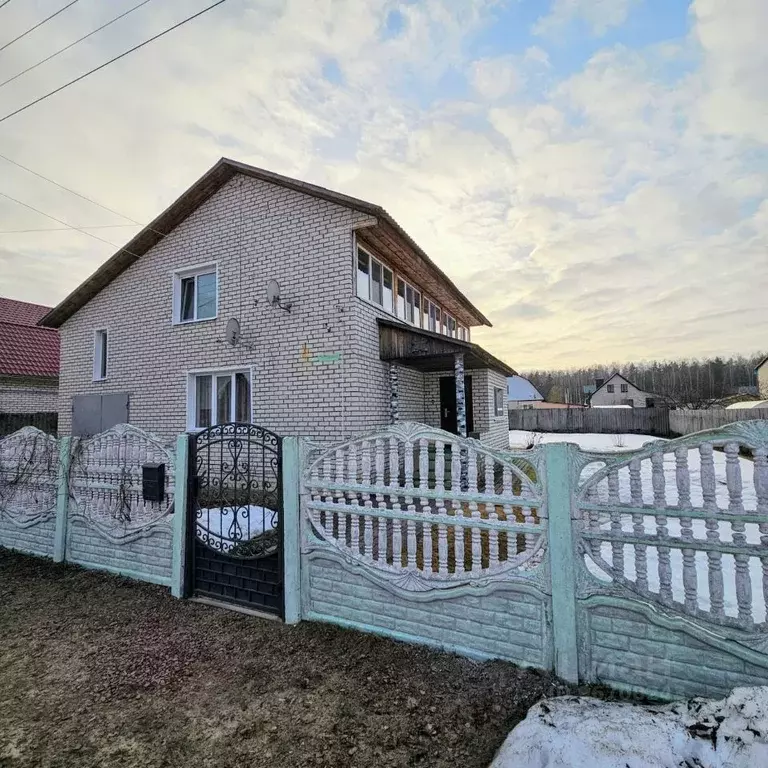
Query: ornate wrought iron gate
[[235, 516]]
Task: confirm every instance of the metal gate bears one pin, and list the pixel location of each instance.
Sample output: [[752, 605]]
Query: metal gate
[[235, 523]]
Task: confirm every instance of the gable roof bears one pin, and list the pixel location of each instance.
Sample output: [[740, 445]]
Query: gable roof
[[21, 312], [519, 388], [761, 363], [386, 232], [610, 379]]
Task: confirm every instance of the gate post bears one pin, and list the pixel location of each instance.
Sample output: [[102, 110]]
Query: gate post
[[179, 548], [291, 528], [562, 558], [62, 500]]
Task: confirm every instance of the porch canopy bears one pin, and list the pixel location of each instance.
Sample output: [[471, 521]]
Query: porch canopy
[[428, 352]]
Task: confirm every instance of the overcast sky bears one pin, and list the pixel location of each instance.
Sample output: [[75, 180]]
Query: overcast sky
[[592, 173]]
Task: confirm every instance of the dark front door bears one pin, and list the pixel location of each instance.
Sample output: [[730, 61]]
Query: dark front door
[[448, 415], [235, 523]]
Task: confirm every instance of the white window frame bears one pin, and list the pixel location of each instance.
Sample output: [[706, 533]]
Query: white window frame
[[498, 401], [214, 373], [421, 320], [100, 354], [183, 274]]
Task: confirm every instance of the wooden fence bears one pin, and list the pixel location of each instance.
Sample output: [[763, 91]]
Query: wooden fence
[[45, 421], [646, 421], [686, 422]]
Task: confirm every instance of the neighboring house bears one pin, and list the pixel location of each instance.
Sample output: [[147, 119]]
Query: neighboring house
[[522, 394], [762, 378], [29, 359], [366, 330], [618, 390]]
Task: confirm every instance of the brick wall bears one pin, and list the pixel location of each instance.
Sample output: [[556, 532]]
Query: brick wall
[[411, 395], [28, 394], [255, 231], [506, 624]]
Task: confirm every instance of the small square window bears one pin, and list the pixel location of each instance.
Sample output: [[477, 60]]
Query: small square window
[[195, 295], [219, 398], [624, 388], [610, 389]]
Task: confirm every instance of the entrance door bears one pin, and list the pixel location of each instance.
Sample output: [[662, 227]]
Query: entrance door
[[235, 523], [448, 415]]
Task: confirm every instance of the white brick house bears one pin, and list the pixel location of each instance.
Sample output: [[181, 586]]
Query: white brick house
[[373, 327], [618, 390]]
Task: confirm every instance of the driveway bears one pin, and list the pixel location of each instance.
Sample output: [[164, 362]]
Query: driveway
[[96, 670]]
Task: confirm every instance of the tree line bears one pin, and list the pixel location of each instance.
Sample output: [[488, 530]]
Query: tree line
[[684, 383]]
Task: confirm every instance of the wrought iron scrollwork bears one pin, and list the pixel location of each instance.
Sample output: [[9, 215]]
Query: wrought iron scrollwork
[[238, 489]]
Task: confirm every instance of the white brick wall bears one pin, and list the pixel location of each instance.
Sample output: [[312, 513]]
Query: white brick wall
[[255, 231], [28, 394]]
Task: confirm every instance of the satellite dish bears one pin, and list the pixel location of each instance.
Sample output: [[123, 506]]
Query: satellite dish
[[233, 332], [273, 296], [273, 292]]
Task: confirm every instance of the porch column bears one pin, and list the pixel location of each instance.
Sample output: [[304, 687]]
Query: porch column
[[394, 397], [461, 403]]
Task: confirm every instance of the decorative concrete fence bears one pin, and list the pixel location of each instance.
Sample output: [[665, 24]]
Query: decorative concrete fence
[[645, 570], [80, 500]]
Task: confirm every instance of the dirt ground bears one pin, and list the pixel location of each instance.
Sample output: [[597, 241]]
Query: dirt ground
[[96, 670]]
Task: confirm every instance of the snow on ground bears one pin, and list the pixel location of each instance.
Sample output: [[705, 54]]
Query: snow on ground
[[574, 731], [625, 442], [252, 521]]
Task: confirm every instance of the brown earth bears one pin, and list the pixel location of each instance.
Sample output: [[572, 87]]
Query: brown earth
[[96, 670]]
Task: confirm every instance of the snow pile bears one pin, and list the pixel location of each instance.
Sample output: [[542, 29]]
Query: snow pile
[[572, 731]]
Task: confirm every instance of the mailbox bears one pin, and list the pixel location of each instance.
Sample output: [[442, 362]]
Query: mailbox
[[153, 482]]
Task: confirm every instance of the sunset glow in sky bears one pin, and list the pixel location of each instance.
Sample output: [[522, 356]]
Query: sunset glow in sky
[[592, 173]]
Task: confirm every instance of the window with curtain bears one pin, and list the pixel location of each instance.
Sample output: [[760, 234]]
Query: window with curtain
[[219, 398]]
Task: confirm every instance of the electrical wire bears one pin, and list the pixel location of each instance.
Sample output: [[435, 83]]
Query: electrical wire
[[39, 24], [2, 5], [112, 60], [78, 194], [71, 45], [60, 229], [67, 225]]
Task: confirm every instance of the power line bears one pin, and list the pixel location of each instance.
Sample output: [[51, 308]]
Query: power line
[[67, 189], [116, 58], [68, 226], [78, 194], [2, 5], [39, 24], [60, 229], [67, 47]]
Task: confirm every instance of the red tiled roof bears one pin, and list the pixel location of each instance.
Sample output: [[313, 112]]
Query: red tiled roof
[[28, 350], [21, 312]]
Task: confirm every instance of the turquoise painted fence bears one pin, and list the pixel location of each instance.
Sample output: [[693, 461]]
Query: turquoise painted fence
[[644, 570], [80, 500]]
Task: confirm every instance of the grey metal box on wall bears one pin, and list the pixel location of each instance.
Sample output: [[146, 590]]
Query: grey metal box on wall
[[92, 414]]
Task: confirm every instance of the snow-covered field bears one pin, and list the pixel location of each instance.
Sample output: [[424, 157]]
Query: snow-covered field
[[620, 443], [572, 731]]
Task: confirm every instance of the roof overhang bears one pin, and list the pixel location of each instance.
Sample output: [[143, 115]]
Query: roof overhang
[[385, 232], [432, 352]]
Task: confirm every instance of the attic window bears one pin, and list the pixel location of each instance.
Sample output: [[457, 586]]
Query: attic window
[[195, 294]]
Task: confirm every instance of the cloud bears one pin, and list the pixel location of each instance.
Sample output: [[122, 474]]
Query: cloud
[[614, 212], [495, 77], [598, 15]]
